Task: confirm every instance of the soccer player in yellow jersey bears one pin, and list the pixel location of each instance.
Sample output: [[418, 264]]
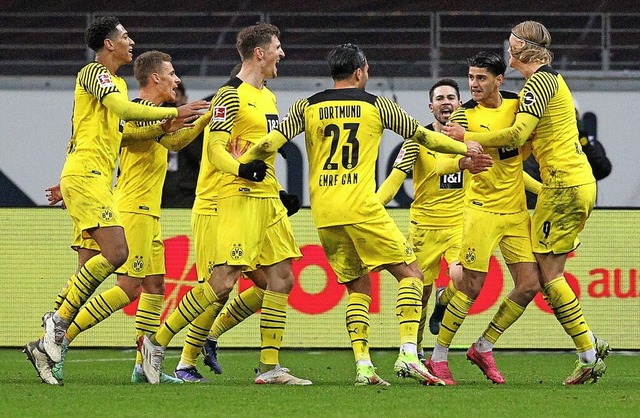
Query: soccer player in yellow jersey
[[569, 188], [253, 230], [495, 214], [201, 334], [138, 194], [101, 106], [435, 229], [343, 128]]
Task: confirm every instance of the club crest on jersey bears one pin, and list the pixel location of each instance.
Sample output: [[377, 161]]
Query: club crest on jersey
[[529, 98], [236, 252], [219, 113], [107, 214], [137, 264], [407, 249], [470, 255], [104, 80]]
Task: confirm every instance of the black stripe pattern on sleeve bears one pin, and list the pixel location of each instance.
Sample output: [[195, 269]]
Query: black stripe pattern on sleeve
[[94, 78], [395, 118], [537, 92], [407, 156], [145, 103], [459, 116], [294, 123], [226, 104]]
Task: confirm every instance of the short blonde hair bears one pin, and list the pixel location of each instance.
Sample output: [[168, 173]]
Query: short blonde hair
[[537, 40], [148, 63]]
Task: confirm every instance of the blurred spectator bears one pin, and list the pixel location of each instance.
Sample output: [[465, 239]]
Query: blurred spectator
[[179, 189], [593, 149]]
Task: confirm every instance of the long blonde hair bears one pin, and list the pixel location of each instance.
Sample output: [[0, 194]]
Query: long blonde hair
[[536, 40]]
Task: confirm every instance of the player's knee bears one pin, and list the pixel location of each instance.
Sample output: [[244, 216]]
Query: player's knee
[[134, 293], [528, 292], [116, 255], [153, 288], [471, 288], [287, 283], [414, 271], [282, 284], [360, 285], [130, 286]]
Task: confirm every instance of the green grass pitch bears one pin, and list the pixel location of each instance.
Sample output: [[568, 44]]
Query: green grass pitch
[[97, 385]]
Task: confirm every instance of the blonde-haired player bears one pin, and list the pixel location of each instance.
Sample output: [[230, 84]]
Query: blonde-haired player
[[101, 106], [546, 106]]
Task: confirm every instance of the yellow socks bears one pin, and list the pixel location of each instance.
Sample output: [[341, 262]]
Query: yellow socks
[[148, 317], [409, 309], [240, 308], [448, 293], [272, 322], [507, 314], [421, 326], [97, 310], [63, 294], [197, 334], [83, 284], [357, 318], [567, 310], [190, 307], [455, 314]]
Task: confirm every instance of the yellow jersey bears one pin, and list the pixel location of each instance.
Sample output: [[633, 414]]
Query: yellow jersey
[[500, 189], [343, 129], [143, 167], [556, 144], [241, 110], [438, 200], [96, 131], [206, 202]]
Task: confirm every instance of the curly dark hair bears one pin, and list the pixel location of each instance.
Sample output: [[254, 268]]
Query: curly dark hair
[[99, 30]]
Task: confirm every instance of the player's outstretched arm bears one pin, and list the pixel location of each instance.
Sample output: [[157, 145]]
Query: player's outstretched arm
[[254, 170], [442, 143], [196, 108], [266, 146], [447, 164], [513, 137], [290, 126], [175, 141], [134, 133], [119, 104]]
